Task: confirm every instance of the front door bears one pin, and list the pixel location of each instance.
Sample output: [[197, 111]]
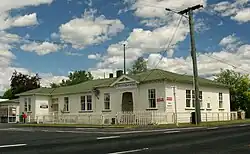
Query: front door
[[54, 107], [127, 102]]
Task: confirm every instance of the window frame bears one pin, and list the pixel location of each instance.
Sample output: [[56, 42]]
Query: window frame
[[89, 103], [66, 104], [83, 103], [25, 104], [201, 98], [220, 100], [29, 105], [190, 98], [106, 101], [152, 98]]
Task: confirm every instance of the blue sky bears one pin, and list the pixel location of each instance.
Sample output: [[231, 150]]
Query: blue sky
[[55, 37]]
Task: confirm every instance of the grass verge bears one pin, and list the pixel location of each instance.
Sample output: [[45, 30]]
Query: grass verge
[[203, 124]]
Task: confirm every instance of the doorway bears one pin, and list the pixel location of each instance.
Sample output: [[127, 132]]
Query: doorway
[[127, 102]]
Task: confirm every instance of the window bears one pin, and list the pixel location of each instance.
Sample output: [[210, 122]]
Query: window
[[191, 96], [66, 104], [200, 98], [89, 102], [188, 98], [29, 104], [107, 101], [83, 104], [25, 105], [220, 100], [86, 103], [208, 105], [151, 98]]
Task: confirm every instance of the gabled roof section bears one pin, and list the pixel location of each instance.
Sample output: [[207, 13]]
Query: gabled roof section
[[84, 86], [124, 78], [158, 74], [38, 91], [144, 77]]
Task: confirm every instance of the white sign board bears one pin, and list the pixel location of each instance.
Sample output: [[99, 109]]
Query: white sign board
[[44, 105], [126, 85]]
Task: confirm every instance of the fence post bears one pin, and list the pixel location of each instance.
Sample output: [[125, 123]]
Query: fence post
[[206, 116], [43, 119], [116, 117], [218, 116], [89, 120], [102, 121]]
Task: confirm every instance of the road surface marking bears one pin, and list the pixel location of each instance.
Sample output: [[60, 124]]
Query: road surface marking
[[213, 128], [243, 125], [44, 130], [129, 151], [85, 128], [171, 132], [156, 130], [61, 131], [107, 137], [12, 145]]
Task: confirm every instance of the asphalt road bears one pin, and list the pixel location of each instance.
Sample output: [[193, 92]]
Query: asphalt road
[[223, 141]]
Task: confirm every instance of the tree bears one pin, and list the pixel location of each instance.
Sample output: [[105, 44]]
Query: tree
[[8, 94], [21, 83], [74, 78], [54, 85], [140, 65], [239, 89]]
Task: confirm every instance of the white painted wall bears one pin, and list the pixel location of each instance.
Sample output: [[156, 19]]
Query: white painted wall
[[32, 113], [140, 100], [209, 94], [41, 100]]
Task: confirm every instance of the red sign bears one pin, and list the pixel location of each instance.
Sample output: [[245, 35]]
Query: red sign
[[160, 99], [169, 99]]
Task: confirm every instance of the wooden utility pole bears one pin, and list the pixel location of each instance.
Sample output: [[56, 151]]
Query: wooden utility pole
[[124, 56], [189, 11], [175, 106]]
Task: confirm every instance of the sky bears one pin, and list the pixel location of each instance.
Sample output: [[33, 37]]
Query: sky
[[55, 37]]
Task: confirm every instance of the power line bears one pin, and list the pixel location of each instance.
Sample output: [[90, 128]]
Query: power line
[[166, 48], [225, 62]]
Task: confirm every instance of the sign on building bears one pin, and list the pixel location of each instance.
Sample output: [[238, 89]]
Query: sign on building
[[44, 106], [126, 85]]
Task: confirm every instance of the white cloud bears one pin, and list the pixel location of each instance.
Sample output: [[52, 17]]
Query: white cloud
[[73, 54], [243, 15], [78, 32], [141, 42], [8, 40], [208, 63], [6, 71], [230, 43], [94, 56], [48, 78], [7, 5], [201, 25], [26, 20], [54, 36], [41, 48], [153, 12], [7, 21], [229, 40], [237, 10]]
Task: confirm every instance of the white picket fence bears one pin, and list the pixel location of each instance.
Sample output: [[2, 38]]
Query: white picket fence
[[132, 118]]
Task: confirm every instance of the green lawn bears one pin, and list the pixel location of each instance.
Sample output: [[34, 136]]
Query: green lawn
[[204, 124]]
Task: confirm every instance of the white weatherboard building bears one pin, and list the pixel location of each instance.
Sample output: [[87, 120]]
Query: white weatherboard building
[[132, 99]]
